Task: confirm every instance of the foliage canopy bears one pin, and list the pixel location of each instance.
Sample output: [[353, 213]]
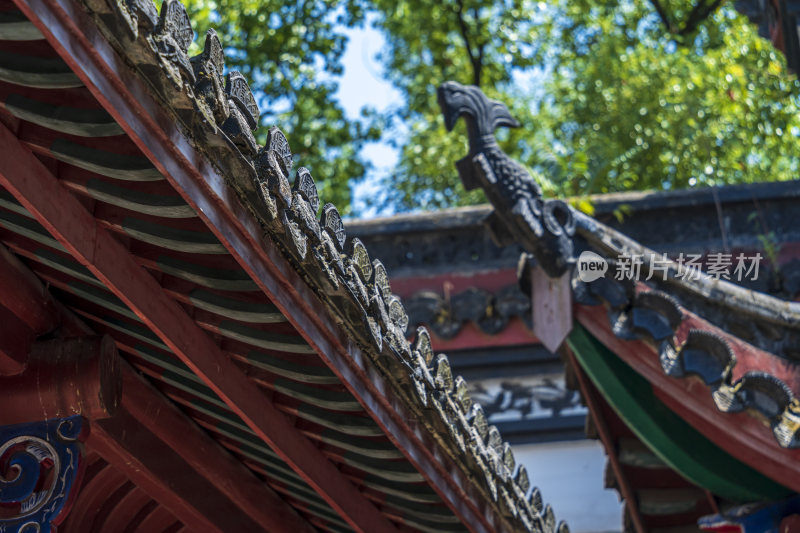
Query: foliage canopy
[[612, 94], [291, 53], [641, 103]]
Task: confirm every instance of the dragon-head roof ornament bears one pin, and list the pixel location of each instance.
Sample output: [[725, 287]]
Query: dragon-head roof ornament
[[545, 228]]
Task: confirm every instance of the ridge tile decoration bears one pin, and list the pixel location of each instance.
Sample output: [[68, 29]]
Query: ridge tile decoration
[[552, 235], [219, 114], [40, 465], [545, 227]]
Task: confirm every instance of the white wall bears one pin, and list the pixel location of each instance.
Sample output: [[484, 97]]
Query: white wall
[[570, 477]]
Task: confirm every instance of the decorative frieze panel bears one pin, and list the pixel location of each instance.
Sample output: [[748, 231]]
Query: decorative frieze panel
[[489, 311], [526, 398]]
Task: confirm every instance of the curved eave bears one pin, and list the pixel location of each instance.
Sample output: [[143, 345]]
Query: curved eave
[[744, 435], [771, 323], [672, 439]]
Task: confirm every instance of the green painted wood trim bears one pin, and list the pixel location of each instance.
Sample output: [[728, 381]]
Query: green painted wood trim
[[670, 437]]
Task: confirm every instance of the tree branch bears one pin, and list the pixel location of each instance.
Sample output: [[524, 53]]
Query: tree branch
[[700, 12], [662, 14], [475, 61], [478, 65]]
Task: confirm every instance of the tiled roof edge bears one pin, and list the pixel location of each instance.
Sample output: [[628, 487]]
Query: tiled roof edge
[[220, 114]]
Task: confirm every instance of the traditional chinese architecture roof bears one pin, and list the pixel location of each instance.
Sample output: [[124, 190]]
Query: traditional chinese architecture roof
[[702, 372], [266, 379], [458, 282], [451, 273]]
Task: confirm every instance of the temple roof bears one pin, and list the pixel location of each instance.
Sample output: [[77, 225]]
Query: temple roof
[[702, 370], [425, 251], [133, 186]]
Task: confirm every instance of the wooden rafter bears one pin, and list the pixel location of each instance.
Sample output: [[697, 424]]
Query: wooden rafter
[[144, 410], [123, 95], [76, 229], [155, 414]]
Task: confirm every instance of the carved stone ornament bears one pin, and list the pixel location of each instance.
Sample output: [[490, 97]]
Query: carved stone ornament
[[304, 184], [397, 313], [238, 130], [276, 142], [422, 345], [272, 177], [239, 91], [139, 16], [331, 222], [39, 465], [328, 260], [175, 21], [381, 279], [545, 228], [305, 217], [208, 67], [358, 253], [171, 39]]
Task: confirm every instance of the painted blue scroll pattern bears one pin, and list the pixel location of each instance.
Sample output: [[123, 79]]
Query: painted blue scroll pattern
[[39, 465]]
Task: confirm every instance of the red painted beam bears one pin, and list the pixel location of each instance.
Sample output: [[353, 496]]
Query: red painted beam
[[129, 101], [32, 184], [128, 461], [742, 435], [24, 313], [94, 492], [64, 377], [16, 339], [153, 411], [45, 307], [126, 510], [168, 477], [25, 296], [141, 401]]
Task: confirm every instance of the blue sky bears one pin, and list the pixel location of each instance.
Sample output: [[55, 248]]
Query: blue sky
[[362, 85]]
